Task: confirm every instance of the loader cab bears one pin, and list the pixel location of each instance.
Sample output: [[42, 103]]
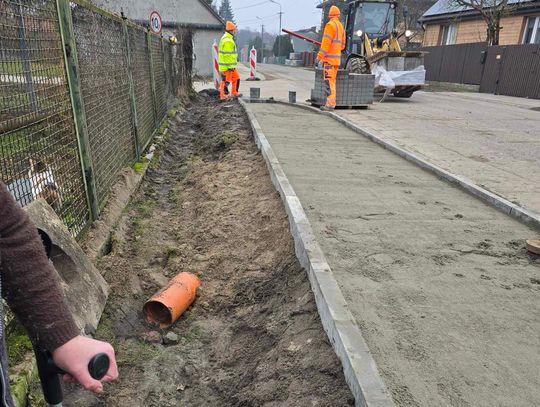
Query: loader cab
[[374, 18]]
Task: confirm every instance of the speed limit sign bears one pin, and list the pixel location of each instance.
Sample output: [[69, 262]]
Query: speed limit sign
[[156, 24]]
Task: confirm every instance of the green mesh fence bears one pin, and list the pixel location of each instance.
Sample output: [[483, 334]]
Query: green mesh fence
[[142, 86], [38, 148], [103, 67], [41, 137], [159, 76]]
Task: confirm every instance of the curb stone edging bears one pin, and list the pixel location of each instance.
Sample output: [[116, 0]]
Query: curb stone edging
[[359, 367], [525, 216]]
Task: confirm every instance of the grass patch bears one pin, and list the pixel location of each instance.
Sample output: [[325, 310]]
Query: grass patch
[[139, 166], [35, 397], [131, 352], [227, 138], [36, 69], [18, 345], [172, 112], [14, 144], [171, 252], [135, 352], [192, 332], [105, 331], [175, 195], [145, 208]]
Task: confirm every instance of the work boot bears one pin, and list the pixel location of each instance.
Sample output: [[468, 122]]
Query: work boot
[[327, 108], [238, 95]]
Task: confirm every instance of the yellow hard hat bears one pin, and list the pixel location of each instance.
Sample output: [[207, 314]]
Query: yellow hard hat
[[334, 12], [230, 26]]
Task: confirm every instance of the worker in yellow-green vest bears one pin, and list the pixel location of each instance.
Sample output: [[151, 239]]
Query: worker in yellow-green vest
[[228, 60]]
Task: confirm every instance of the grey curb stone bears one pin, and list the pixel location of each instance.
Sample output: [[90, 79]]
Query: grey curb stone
[[359, 367]]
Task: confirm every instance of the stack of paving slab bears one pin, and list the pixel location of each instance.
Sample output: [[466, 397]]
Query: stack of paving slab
[[352, 90], [295, 59]]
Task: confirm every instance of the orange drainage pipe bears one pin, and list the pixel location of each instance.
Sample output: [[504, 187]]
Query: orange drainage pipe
[[165, 307]]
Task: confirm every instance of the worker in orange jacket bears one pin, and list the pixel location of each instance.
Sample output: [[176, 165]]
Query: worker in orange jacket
[[333, 43]]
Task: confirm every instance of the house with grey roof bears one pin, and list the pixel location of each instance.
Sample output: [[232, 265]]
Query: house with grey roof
[[447, 22], [197, 15]]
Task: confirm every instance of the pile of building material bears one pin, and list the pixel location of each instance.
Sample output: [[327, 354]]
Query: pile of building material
[[352, 89]]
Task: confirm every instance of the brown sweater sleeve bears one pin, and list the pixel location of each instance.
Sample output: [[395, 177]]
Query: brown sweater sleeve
[[29, 282]]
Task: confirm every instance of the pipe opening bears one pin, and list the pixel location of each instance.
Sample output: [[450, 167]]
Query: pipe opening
[[157, 313]]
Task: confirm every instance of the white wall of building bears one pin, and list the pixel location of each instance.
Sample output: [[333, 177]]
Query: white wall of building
[[205, 24]]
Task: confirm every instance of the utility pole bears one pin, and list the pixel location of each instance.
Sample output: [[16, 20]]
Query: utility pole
[[262, 42], [262, 38], [279, 33]]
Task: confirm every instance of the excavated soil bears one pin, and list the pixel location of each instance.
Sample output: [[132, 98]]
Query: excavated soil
[[253, 337]]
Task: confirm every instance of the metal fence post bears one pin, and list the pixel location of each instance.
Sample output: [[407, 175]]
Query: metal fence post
[[164, 64], [132, 99], [79, 116], [152, 78]]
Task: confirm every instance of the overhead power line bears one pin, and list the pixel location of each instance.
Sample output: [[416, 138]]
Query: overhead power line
[[269, 17], [252, 5]]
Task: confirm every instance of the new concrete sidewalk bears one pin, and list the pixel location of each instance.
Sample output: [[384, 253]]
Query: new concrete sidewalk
[[492, 140], [440, 284]]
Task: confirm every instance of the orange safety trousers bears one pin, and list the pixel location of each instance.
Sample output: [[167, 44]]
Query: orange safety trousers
[[333, 43], [330, 73], [231, 76]]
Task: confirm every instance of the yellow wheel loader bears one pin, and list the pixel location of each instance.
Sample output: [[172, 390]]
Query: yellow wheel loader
[[373, 47]]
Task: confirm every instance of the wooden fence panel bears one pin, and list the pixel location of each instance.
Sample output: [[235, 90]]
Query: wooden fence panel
[[520, 71], [474, 66], [453, 62]]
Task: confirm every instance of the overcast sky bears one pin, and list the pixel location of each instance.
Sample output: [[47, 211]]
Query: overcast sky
[[297, 14]]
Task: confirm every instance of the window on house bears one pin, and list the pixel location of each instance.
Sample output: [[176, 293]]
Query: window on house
[[532, 31], [448, 34]]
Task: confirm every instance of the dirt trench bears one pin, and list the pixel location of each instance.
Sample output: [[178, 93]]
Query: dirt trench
[[253, 336]]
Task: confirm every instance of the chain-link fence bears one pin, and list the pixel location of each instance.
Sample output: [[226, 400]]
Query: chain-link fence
[[38, 148], [81, 94], [103, 65], [142, 75]]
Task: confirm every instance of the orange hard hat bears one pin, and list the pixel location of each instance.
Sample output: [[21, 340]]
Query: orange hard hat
[[230, 26], [334, 12]]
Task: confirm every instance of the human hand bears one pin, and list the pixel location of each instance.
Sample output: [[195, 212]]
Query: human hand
[[73, 358]]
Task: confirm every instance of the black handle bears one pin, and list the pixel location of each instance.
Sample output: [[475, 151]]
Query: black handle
[[50, 379], [99, 366]]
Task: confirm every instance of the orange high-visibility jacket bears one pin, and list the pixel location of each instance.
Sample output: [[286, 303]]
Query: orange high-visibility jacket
[[333, 42]]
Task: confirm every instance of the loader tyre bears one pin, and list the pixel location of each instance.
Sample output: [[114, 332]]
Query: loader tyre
[[404, 93], [358, 65]]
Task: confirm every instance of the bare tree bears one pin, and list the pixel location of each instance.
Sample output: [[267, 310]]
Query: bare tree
[[491, 11]]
